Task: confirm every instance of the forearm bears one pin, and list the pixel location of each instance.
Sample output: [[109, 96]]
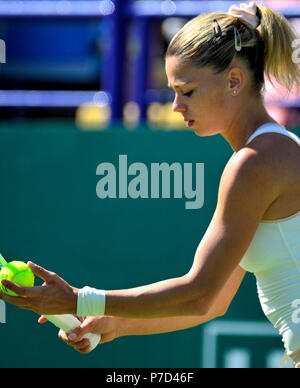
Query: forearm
[[132, 326], [168, 298]]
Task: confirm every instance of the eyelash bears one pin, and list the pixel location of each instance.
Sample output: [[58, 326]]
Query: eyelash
[[188, 94]]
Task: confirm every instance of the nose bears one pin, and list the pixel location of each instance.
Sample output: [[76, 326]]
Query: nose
[[178, 106]]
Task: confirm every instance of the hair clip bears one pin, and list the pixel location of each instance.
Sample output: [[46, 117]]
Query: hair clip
[[217, 28], [237, 39]]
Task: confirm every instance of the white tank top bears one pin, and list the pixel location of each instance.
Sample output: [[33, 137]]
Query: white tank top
[[274, 258]]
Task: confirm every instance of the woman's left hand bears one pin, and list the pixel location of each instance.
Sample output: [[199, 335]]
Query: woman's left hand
[[55, 296]]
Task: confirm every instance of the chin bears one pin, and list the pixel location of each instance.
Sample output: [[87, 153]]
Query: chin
[[206, 132], [200, 132]]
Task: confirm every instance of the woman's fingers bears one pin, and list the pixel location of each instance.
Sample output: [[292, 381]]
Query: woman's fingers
[[41, 272], [19, 290], [82, 345], [47, 276], [42, 319], [55, 296]]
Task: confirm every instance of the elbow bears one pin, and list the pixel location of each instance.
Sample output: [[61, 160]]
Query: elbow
[[220, 313], [202, 306], [203, 302], [207, 306], [197, 304], [198, 300]]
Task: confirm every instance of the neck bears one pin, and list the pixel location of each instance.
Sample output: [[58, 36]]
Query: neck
[[245, 122]]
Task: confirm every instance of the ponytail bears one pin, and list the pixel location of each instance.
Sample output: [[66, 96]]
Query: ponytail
[[267, 50], [278, 36]]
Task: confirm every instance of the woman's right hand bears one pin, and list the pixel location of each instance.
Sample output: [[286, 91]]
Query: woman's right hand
[[106, 326]]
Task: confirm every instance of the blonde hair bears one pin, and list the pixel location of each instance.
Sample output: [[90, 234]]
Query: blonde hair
[[267, 50]]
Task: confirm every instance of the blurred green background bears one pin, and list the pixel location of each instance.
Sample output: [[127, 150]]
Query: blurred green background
[[50, 214], [82, 83]]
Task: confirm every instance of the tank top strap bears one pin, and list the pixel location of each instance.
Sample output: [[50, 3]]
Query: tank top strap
[[273, 128]]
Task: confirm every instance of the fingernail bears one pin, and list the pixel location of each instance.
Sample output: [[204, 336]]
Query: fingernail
[[72, 336]]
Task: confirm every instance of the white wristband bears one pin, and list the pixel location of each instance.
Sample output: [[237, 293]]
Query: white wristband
[[90, 301]]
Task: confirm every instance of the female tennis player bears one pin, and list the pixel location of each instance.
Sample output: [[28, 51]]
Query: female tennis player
[[216, 64]]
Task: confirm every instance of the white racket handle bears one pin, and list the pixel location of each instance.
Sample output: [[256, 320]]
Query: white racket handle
[[67, 323]]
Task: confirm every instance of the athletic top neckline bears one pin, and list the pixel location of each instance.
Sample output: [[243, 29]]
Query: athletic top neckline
[[277, 128]]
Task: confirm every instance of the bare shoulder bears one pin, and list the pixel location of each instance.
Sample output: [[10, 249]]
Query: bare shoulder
[[248, 185], [280, 153], [272, 157], [251, 167]]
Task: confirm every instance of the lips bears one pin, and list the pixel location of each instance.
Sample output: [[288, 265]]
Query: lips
[[189, 123]]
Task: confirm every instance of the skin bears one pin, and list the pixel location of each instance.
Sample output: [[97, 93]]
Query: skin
[[111, 328], [265, 173], [213, 104]]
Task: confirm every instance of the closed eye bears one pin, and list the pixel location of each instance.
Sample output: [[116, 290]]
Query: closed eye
[[188, 94]]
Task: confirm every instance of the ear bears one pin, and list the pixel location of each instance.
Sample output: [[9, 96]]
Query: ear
[[236, 80]]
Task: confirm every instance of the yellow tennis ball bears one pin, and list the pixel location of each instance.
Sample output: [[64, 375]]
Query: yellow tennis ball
[[17, 272]]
